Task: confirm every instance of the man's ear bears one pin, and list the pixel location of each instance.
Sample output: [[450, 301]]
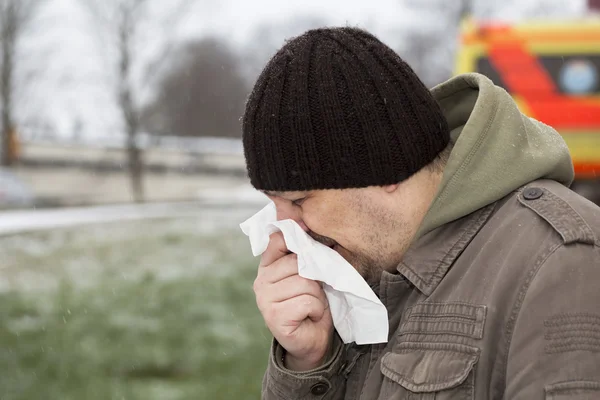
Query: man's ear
[[391, 188]]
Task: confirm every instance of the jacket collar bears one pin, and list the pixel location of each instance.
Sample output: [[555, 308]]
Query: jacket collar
[[428, 259]]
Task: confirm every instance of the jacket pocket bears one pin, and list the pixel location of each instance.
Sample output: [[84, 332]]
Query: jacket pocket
[[440, 371], [574, 390]]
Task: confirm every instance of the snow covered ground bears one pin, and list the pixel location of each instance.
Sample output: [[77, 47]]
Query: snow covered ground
[[153, 309]]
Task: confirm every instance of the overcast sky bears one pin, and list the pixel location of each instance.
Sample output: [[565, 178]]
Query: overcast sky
[[68, 62]]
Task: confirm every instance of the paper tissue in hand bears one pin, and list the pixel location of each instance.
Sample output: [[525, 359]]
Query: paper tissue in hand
[[358, 314]]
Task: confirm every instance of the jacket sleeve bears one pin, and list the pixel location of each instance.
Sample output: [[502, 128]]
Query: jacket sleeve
[[554, 352], [326, 382]]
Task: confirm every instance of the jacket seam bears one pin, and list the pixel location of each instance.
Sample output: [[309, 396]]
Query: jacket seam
[[462, 243], [467, 161], [470, 232], [517, 307], [571, 236]]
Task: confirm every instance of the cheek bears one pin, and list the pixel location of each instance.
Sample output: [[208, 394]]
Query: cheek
[[325, 221]]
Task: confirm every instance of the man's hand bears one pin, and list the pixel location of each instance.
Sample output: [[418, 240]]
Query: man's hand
[[295, 309]]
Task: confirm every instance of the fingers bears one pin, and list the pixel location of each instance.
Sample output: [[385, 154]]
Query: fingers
[[290, 287], [280, 269], [280, 282], [286, 300], [275, 250], [293, 311]]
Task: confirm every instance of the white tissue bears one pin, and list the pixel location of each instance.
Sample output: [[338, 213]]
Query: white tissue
[[358, 314]]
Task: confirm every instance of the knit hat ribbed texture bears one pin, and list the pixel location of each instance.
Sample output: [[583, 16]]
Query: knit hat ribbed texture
[[336, 108]]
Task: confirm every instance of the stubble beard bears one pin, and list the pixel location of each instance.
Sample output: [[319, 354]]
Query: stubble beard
[[367, 266]]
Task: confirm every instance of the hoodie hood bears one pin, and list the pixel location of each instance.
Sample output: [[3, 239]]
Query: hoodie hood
[[496, 149]]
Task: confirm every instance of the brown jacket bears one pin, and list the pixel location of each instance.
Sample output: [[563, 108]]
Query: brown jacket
[[499, 296], [501, 304]]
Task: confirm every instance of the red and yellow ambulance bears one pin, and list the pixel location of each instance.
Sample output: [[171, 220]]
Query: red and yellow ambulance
[[552, 70]]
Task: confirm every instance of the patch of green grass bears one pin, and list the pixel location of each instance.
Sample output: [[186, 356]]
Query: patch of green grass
[[135, 331]]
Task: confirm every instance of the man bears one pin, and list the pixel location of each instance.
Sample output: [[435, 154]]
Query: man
[[452, 205]]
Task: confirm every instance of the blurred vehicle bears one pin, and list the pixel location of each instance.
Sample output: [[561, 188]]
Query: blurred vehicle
[[14, 193], [552, 70]]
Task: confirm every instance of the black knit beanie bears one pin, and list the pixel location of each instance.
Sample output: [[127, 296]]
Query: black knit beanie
[[336, 108]]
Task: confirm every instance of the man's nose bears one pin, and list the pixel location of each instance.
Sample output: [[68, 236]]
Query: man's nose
[[288, 210]]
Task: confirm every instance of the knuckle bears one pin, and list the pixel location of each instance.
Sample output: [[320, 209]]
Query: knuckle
[[262, 262], [260, 301], [291, 260], [257, 285], [313, 284], [309, 286], [277, 239], [305, 301]]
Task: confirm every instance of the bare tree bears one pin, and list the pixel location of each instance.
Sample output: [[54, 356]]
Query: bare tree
[[15, 15], [121, 21], [430, 36], [202, 94]]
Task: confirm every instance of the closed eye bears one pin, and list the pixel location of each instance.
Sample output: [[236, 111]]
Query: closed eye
[[298, 202]]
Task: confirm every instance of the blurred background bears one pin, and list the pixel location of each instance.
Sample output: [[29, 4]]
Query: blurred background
[[123, 272]]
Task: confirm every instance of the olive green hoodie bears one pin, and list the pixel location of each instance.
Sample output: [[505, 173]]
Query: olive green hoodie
[[496, 149]]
